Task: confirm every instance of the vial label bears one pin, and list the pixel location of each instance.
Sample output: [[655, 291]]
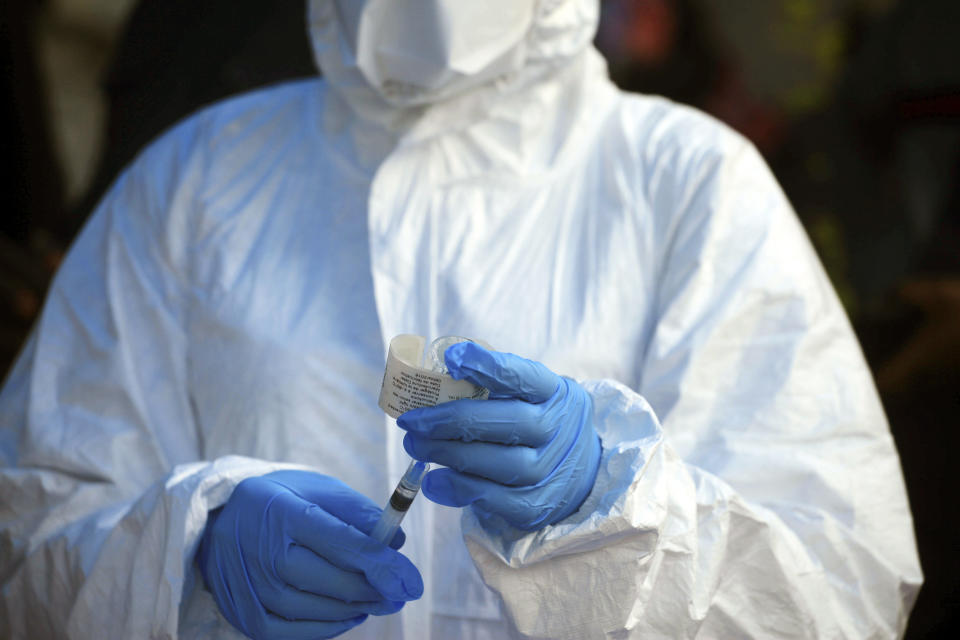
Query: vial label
[[408, 385]]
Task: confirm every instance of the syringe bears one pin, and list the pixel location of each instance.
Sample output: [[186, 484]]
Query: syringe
[[400, 501]]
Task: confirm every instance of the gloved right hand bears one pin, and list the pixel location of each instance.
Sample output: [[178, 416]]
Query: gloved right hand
[[288, 556]]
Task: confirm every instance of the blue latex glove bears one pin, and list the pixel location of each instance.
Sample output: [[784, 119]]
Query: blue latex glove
[[530, 454], [288, 557]]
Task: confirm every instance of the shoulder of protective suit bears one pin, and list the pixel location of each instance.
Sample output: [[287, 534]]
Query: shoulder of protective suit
[[171, 182], [674, 135], [245, 123], [285, 107], [678, 156], [687, 168]]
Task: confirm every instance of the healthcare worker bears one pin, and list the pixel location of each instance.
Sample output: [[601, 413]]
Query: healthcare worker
[[689, 446]]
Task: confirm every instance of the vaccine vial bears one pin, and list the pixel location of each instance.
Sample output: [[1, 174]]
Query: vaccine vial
[[434, 360]]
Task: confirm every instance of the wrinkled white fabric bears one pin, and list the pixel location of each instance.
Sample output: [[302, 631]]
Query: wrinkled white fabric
[[225, 313]]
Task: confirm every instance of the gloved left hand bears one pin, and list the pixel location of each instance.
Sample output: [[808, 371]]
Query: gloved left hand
[[529, 454]]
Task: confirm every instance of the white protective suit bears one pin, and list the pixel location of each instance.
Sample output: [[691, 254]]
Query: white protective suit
[[225, 312]]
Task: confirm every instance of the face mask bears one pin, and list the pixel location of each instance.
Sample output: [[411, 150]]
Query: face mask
[[416, 51]]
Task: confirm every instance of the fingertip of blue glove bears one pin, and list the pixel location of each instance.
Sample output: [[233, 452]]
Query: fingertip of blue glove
[[413, 585], [457, 354], [435, 487], [350, 623], [410, 420], [395, 577], [438, 486], [390, 607], [409, 446], [411, 582]]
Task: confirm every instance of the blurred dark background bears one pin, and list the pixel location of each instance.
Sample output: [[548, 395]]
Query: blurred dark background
[[854, 103]]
